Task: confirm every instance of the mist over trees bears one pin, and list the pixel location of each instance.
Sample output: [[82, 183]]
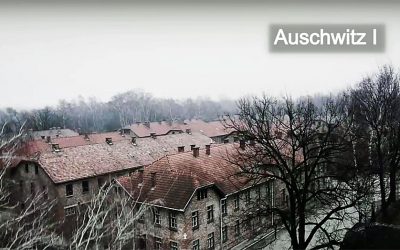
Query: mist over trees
[[92, 115]]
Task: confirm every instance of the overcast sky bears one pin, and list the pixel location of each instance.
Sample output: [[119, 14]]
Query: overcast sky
[[57, 51]]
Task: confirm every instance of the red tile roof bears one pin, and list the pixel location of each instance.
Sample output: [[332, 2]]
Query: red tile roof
[[178, 176], [210, 129], [79, 158], [53, 133], [159, 128]]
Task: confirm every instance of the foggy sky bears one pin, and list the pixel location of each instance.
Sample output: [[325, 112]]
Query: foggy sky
[[59, 51]]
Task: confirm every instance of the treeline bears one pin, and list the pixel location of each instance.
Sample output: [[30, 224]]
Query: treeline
[[91, 115]]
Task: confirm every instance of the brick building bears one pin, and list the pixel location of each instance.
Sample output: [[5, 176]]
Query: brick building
[[72, 169], [148, 129], [52, 133], [200, 202], [213, 129]]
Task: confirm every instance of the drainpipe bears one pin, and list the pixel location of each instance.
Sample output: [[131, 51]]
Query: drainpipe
[[272, 201], [220, 222]]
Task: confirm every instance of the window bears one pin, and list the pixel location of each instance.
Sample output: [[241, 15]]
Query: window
[[235, 139], [173, 245], [210, 213], [201, 194], [268, 193], [247, 196], [236, 202], [69, 190], [69, 211], [173, 224], [141, 218], [195, 219], [237, 228], [26, 168], [119, 191], [226, 140], [258, 193], [157, 216], [157, 243], [100, 182], [45, 192], [224, 207], [210, 241], [224, 234], [32, 188], [247, 224], [196, 245], [85, 186], [36, 169]]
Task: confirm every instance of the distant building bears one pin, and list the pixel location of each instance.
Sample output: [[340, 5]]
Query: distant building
[[213, 129], [148, 129], [52, 133], [201, 202]]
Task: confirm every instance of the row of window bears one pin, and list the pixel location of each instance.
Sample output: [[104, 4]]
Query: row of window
[[195, 217], [247, 198], [210, 209], [69, 188], [27, 169], [173, 245], [172, 217], [34, 190], [173, 222]]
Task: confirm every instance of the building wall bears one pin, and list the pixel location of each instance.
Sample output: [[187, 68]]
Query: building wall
[[186, 235], [150, 230], [230, 138], [21, 190], [251, 223], [205, 227]]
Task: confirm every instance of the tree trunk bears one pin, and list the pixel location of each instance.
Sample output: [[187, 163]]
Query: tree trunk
[[383, 193], [392, 185]]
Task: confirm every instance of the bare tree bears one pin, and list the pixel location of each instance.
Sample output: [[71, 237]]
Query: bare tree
[[109, 220], [28, 226], [302, 147]]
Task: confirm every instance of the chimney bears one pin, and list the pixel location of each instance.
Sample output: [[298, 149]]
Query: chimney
[[192, 146], [196, 151], [181, 149], [208, 149], [242, 144], [109, 141], [147, 124], [153, 179], [48, 139], [153, 135], [55, 147], [86, 137], [133, 140], [189, 131]]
